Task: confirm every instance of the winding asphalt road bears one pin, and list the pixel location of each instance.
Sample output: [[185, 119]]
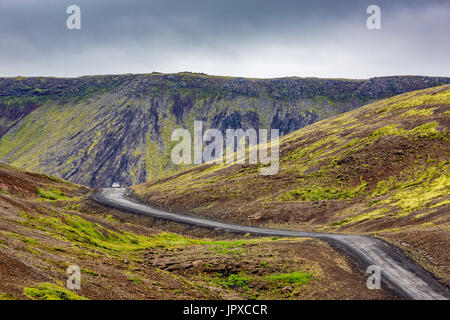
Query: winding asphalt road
[[399, 274]]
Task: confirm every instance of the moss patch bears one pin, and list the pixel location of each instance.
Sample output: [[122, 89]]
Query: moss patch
[[51, 194], [50, 291], [292, 278]]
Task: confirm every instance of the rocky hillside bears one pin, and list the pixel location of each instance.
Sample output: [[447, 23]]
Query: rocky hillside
[[102, 129], [381, 169], [47, 225]]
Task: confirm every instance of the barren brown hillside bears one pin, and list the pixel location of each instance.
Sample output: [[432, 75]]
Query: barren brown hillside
[[47, 224]]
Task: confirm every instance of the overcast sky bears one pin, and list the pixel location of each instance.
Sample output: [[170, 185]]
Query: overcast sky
[[249, 38]]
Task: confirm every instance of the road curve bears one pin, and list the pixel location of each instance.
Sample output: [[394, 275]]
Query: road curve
[[399, 274]]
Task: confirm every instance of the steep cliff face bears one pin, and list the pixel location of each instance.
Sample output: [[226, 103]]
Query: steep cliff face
[[102, 129]]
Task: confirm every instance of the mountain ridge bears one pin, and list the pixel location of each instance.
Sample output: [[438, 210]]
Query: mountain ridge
[[96, 130]]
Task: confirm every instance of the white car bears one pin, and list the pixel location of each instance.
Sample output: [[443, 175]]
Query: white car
[[116, 185]]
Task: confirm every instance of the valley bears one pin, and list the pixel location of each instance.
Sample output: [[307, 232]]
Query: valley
[[380, 170]]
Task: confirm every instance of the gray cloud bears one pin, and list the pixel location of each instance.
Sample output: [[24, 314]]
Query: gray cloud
[[254, 38]]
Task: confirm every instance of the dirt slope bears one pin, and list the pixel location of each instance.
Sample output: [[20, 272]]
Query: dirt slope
[[47, 224]]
